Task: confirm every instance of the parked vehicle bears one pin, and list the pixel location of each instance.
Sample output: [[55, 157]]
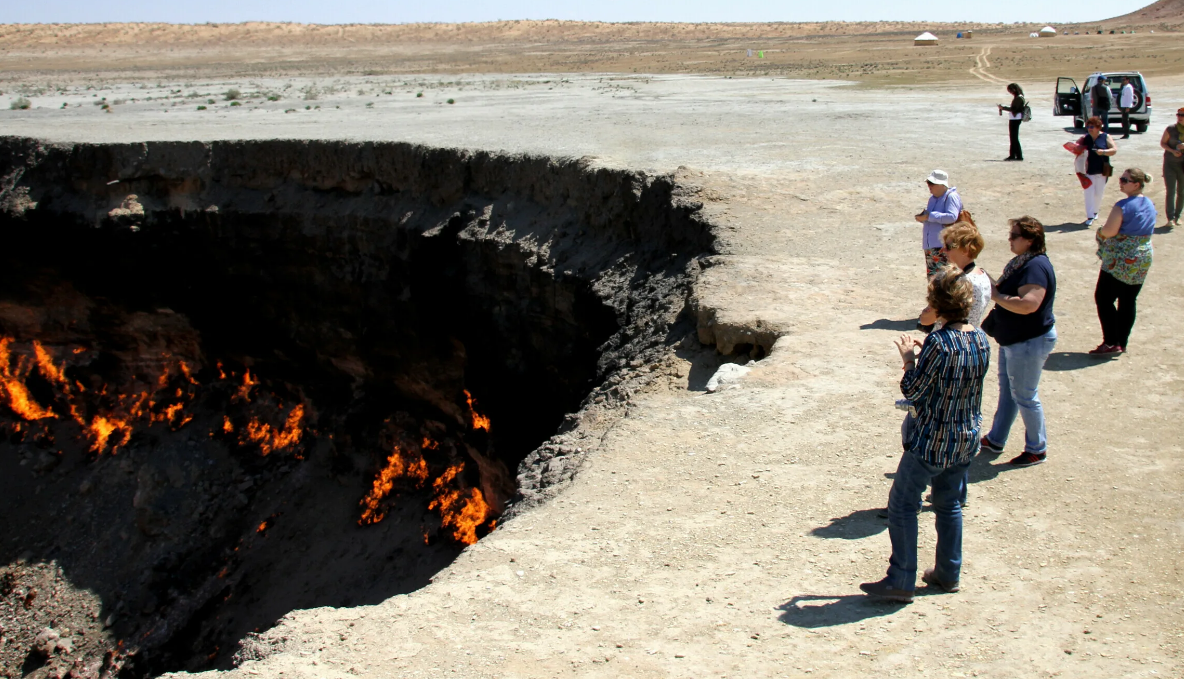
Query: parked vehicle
[[1072, 101]]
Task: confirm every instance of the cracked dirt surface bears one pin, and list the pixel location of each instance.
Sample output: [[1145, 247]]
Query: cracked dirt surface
[[725, 534]]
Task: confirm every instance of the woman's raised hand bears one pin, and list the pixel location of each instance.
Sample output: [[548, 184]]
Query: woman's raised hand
[[907, 346]]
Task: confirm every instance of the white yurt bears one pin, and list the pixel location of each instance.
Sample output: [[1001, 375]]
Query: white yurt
[[925, 38], [1048, 32]]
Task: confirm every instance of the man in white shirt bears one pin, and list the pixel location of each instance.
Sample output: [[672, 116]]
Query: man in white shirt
[[1126, 101]]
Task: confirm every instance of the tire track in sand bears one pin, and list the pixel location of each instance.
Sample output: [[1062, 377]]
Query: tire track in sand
[[981, 64]]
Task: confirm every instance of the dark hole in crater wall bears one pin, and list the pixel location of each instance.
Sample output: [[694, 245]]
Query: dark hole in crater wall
[[245, 378]]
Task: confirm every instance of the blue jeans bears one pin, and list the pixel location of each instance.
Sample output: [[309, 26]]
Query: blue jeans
[[1020, 366], [912, 476]]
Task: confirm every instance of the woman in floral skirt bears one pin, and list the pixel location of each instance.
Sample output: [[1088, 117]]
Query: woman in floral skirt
[[1124, 246]]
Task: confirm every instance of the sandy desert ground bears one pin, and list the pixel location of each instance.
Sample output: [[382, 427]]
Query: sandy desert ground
[[725, 534]]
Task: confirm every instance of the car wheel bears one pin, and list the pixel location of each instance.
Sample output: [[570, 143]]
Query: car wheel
[[1141, 127], [1078, 123]]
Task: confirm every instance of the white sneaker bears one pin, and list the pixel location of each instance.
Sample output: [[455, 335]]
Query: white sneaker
[[1088, 222]]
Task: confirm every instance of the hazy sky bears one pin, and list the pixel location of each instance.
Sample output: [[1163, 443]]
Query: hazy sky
[[403, 11]]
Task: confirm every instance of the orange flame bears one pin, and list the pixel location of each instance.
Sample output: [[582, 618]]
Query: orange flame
[[270, 438], [479, 421], [398, 466], [243, 393], [461, 511], [12, 384], [159, 399]]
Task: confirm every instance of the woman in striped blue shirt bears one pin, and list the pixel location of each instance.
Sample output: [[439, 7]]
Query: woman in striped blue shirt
[[945, 386]]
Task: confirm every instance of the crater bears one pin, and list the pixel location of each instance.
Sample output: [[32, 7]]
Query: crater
[[242, 378]]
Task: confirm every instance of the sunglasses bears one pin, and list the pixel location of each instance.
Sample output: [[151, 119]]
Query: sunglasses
[[1180, 115], [1013, 236], [1092, 127], [1124, 180]]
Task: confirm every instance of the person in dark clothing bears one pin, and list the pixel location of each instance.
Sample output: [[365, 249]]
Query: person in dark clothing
[[944, 385], [1024, 325], [1015, 116], [1100, 147], [1103, 101]]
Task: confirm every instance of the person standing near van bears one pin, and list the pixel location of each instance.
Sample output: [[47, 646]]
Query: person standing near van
[[1015, 116], [1126, 102], [1103, 101], [1100, 146], [1172, 143]]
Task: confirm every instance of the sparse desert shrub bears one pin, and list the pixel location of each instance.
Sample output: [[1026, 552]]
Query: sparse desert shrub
[[20, 104], [119, 102], [289, 110], [310, 93], [273, 97], [235, 103], [201, 108], [232, 94], [418, 95], [209, 101], [451, 101], [369, 104]]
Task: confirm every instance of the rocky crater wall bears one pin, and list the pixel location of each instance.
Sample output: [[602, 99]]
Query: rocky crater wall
[[238, 378]]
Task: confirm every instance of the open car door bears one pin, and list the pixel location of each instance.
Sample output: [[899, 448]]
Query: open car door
[[1067, 101]]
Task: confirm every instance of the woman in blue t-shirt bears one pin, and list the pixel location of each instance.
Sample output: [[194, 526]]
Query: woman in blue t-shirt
[[1023, 324], [1124, 246]]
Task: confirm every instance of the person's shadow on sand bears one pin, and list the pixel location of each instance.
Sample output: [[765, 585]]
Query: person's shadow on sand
[[856, 525], [820, 610], [886, 324], [1067, 227]]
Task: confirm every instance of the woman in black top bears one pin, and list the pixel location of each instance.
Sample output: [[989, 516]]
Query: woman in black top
[[1100, 148], [1015, 112], [1023, 324]]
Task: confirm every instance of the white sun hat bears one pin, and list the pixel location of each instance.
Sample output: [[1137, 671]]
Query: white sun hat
[[938, 177]]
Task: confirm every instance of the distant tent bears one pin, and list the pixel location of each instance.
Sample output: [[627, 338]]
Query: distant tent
[[969, 35], [959, 36], [1048, 32], [925, 38], [1033, 35]]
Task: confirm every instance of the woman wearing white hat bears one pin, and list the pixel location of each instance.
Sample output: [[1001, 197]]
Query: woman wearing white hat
[[942, 210]]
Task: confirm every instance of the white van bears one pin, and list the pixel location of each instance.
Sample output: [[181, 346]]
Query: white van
[[1071, 101]]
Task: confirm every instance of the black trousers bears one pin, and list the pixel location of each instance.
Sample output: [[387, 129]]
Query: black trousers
[[1126, 122], [1013, 132], [1117, 319], [1105, 116]]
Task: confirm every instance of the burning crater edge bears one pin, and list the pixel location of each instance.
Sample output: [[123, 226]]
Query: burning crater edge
[[242, 378]]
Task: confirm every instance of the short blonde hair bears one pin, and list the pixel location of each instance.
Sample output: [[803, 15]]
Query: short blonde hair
[[950, 294], [963, 235]]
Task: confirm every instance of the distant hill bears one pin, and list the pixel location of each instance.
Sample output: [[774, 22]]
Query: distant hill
[[1163, 12]]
